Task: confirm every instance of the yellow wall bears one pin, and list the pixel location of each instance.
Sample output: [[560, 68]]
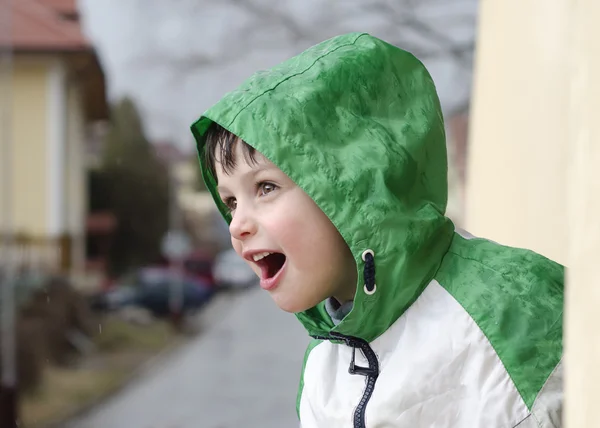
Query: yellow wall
[[76, 176], [29, 130], [5, 115], [47, 131]]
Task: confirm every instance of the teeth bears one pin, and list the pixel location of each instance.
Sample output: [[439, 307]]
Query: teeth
[[260, 256]]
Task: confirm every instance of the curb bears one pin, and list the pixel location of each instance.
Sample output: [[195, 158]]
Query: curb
[[129, 379], [137, 373]]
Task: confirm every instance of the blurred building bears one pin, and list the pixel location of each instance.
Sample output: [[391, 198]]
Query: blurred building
[[193, 207], [53, 90], [457, 126]]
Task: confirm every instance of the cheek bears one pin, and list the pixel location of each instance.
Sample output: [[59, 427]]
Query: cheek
[[292, 228], [237, 246], [308, 235]]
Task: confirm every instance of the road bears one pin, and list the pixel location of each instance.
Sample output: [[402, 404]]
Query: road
[[242, 370]]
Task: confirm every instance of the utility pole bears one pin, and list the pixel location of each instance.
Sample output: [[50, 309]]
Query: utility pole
[[8, 379], [175, 247]]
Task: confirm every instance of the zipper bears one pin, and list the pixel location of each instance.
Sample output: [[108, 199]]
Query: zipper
[[371, 372]]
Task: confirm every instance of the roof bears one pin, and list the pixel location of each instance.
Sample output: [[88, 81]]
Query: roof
[[46, 26], [66, 7], [168, 153]]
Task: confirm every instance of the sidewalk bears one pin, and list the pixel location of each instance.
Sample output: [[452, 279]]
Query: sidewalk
[[242, 370]]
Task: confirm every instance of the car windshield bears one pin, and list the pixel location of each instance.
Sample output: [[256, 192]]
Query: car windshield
[[153, 276]]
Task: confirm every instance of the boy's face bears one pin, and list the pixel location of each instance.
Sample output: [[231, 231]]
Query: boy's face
[[309, 261]]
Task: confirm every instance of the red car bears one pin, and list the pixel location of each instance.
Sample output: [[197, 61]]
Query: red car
[[199, 265]]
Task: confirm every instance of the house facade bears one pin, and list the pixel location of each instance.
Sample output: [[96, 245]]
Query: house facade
[[53, 88]]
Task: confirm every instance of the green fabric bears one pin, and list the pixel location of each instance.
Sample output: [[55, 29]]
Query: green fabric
[[516, 297], [357, 124], [312, 344]]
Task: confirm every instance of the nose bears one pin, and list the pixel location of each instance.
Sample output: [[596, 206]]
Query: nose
[[242, 224]]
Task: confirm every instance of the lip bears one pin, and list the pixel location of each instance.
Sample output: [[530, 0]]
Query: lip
[[266, 283]]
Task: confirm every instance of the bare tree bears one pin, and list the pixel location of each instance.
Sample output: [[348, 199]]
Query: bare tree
[[209, 47]]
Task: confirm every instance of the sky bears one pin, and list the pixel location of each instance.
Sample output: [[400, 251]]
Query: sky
[[176, 58]]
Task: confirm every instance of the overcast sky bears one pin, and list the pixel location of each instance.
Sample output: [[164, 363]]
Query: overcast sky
[[178, 57]]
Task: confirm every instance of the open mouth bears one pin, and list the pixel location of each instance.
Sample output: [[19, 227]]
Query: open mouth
[[270, 264]]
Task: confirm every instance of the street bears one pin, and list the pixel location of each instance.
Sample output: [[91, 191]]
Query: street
[[242, 370]]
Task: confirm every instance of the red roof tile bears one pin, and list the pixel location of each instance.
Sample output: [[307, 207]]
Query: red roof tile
[[68, 7], [37, 25]]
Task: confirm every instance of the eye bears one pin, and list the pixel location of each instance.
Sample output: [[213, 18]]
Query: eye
[[230, 203], [265, 188]]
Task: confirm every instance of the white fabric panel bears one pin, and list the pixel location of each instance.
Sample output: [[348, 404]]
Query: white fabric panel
[[464, 233], [547, 407], [437, 369]]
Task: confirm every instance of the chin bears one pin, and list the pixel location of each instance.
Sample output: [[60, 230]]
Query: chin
[[292, 305]]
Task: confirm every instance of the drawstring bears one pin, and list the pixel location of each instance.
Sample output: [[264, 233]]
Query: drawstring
[[371, 371], [357, 343], [369, 272]]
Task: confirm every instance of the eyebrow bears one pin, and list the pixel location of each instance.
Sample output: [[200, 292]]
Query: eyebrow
[[252, 173]]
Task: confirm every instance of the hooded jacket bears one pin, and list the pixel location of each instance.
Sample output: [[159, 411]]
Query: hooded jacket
[[446, 330]]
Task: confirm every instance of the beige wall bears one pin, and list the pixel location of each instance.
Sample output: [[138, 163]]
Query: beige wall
[[583, 291], [516, 182], [534, 165]]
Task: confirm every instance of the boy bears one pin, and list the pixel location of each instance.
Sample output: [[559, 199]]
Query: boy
[[331, 169]]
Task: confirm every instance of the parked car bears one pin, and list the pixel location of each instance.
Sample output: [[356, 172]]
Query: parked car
[[155, 286], [231, 271], [114, 298], [199, 264], [151, 288]]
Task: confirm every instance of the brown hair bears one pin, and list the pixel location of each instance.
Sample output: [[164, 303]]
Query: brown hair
[[219, 138]]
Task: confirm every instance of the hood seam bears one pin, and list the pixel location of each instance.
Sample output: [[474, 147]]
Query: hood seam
[[294, 75]]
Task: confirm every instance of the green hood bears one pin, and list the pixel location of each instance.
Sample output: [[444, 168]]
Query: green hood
[[357, 124]]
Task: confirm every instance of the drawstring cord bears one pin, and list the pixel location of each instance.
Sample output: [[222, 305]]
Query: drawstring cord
[[357, 343], [369, 272], [371, 371]]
